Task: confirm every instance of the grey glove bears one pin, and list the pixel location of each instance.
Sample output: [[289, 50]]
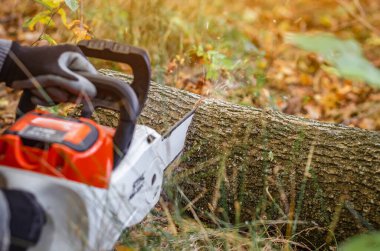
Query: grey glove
[[49, 72]]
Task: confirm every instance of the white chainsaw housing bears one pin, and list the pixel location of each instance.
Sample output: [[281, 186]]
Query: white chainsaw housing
[[81, 217]]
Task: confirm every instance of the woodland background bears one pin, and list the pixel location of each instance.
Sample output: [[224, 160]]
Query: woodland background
[[314, 59]]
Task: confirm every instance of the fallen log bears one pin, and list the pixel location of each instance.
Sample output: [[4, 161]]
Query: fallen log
[[248, 164]]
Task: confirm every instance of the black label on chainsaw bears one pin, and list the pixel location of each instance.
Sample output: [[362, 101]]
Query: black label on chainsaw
[[137, 185], [43, 134]]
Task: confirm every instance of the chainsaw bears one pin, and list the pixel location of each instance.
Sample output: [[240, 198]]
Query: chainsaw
[[90, 181]]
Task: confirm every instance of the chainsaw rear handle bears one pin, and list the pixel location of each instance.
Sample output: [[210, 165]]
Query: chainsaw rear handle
[[135, 57], [130, 98], [116, 95]]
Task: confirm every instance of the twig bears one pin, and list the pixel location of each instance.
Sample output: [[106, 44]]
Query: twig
[[360, 8], [360, 19], [171, 224], [285, 241], [47, 25]]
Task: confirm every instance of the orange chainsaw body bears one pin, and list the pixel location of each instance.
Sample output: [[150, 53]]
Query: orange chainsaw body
[[75, 149]]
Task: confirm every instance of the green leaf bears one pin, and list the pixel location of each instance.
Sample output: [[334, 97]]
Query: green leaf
[[62, 14], [270, 156], [49, 39], [345, 55], [72, 4], [43, 17], [331, 70], [50, 4], [200, 51], [212, 73], [364, 242]]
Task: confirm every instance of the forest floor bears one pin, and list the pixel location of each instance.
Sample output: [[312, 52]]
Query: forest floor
[[231, 50]]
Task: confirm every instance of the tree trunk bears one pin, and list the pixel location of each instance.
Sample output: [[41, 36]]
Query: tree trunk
[[250, 164]]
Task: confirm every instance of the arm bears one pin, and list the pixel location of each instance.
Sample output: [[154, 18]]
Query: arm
[[4, 222], [21, 220], [5, 46]]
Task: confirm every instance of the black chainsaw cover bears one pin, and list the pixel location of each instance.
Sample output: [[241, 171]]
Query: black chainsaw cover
[[27, 219]]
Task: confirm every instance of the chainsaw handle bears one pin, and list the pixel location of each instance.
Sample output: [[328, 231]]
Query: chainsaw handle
[[25, 104], [135, 57], [131, 98], [119, 96]]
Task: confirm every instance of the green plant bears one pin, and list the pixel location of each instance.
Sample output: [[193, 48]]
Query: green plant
[[215, 62], [364, 242], [46, 18], [346, 56]]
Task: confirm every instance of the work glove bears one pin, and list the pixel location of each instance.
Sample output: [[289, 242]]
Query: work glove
[[49, 72], [26, 219]]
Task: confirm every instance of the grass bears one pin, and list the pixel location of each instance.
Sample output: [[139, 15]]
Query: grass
[[170, 227]]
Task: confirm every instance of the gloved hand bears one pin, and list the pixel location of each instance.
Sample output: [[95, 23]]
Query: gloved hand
[[26, 219], [49, 72]]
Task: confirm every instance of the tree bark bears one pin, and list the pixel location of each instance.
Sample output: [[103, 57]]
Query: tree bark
[[248, 164]]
